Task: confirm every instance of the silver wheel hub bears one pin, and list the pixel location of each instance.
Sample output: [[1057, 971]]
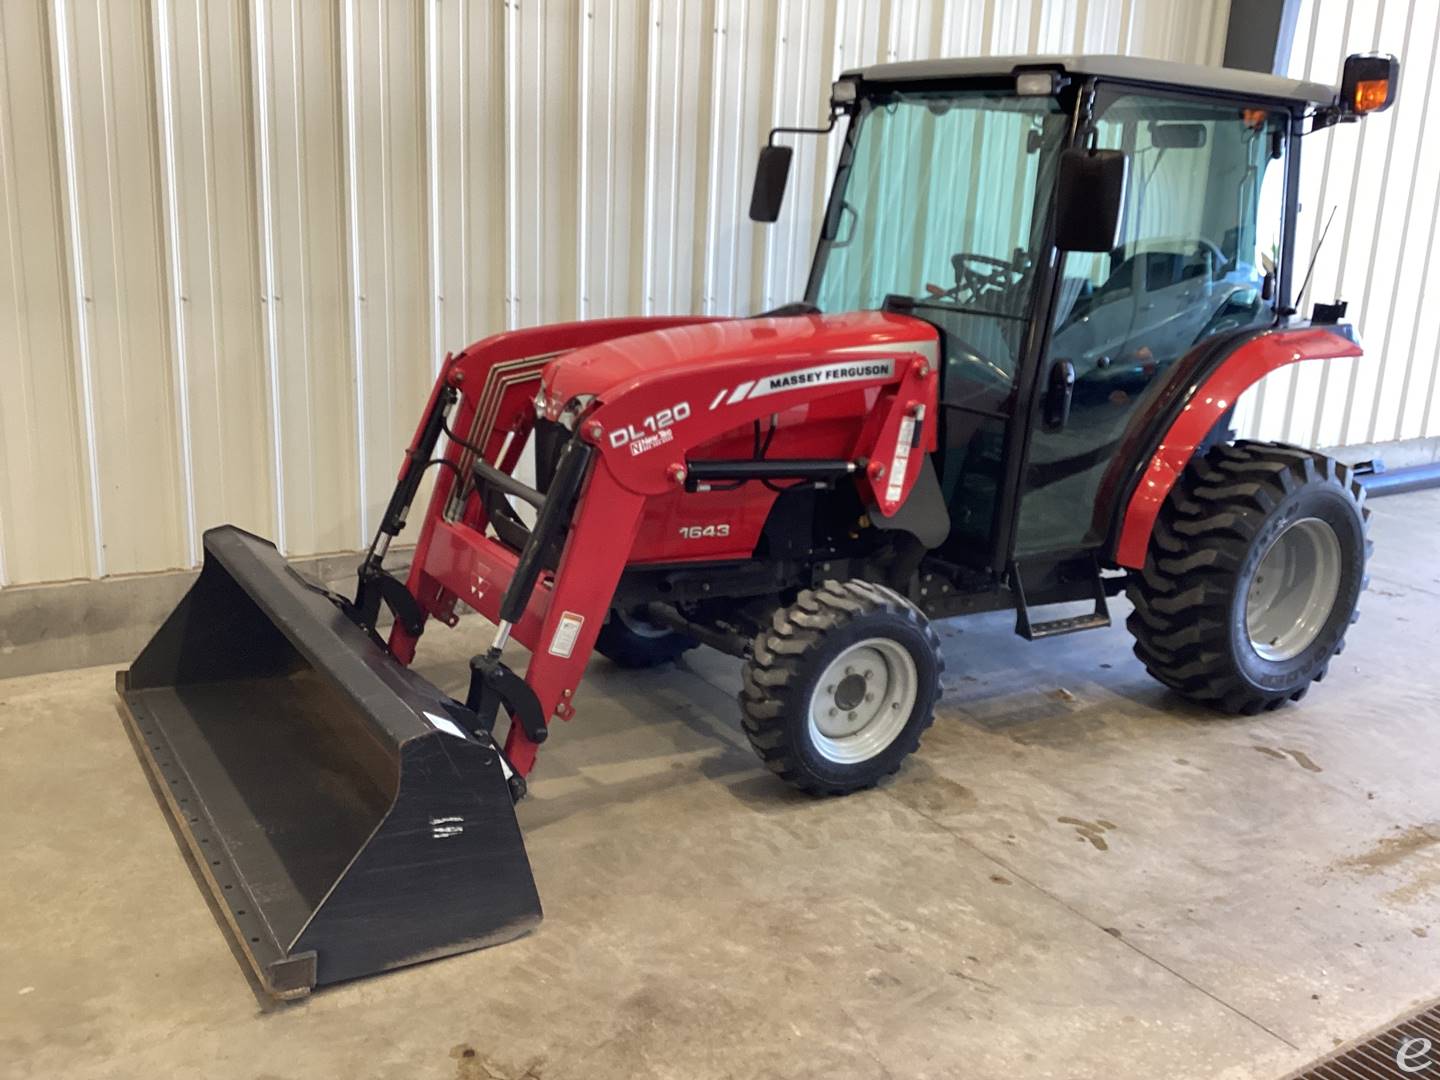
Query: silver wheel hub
[[1294, 589], [863, 700]]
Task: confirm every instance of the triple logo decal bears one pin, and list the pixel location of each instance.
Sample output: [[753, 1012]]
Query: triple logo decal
[[821, 375]]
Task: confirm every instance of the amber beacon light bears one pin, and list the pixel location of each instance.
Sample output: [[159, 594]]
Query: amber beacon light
[[1369, 83]]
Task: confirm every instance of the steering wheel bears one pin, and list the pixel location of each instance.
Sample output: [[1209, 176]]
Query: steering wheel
[[977, 275]]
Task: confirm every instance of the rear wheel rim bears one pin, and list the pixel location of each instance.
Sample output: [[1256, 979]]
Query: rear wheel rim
[[863, 700], [1294, 590]]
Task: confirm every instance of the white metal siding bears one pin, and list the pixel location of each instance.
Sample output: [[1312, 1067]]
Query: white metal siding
[[1381, 178], [239, 234]]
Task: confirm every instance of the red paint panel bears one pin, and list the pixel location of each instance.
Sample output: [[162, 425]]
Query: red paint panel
[[1253, 360]]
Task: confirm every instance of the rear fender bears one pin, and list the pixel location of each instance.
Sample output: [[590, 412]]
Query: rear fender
[[1202, 388]]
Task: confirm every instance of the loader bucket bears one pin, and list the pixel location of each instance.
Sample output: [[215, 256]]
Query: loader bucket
[[344, 821]]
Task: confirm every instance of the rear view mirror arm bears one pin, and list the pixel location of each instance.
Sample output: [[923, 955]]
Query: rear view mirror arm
[[772, 172]]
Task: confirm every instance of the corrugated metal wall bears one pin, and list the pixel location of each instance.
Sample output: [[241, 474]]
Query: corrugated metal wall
[[1381, 178], [240, 233]]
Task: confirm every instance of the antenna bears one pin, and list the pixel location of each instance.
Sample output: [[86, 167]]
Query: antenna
[[1300, 296]]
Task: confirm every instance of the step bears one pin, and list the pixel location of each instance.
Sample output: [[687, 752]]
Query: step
[[1095, 620]]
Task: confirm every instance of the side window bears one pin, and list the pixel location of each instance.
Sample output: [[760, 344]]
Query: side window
[[1198, 246]]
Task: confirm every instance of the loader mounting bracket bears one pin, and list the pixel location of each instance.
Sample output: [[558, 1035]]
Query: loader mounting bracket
[[377, 585], [492, 684]]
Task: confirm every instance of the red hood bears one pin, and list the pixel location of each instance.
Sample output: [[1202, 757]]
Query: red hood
[[621, 362]]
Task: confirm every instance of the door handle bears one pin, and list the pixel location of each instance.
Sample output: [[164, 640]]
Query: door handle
[[1058, 394]]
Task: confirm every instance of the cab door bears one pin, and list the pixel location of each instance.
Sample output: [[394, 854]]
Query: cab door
[[1199, 239]]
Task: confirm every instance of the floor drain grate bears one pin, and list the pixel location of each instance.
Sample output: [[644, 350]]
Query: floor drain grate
[[1408, 1048]]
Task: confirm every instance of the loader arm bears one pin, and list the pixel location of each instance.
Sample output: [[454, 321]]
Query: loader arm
[[638, 437]]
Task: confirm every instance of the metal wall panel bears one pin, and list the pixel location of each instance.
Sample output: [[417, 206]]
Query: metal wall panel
[[46, 499], [120, 293], [241, 233], [1380, 180], [213, 242]]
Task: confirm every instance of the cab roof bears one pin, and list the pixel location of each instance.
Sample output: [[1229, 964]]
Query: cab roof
[[1160, 73]]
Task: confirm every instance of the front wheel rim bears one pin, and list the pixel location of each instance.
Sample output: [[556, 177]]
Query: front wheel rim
[[1294, 590], [863, 700]]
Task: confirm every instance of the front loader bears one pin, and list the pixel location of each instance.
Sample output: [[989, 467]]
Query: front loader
[[1040, 286]]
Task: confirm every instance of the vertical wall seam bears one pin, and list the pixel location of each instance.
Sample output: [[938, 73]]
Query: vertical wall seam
[[79, 283], [799, 210], [463, 209], [1354, 381], [512, 153], [259, 56], [14, 257], [169, 190], [1318, 229], [736, 214], [1258, 410], [1419, 305], [717, 95], [302, 280], [387, 223], [349, 47], [431, 77], [777, 118], [608, 220], [675, 100], [582, 220], [1383, 359], [652, 119]]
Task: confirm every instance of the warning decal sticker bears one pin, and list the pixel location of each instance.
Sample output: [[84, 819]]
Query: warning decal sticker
[[562, 642]]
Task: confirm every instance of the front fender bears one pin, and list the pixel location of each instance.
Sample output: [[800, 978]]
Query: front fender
[[1201, 389]]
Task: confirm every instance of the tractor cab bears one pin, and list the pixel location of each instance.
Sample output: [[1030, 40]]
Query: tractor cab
[[1072, 227]]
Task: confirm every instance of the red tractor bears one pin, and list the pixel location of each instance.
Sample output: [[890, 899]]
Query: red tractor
[[1040, 287]]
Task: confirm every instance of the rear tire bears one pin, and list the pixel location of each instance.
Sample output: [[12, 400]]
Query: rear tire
[[1254, 571], [632, 642], [839, 690]]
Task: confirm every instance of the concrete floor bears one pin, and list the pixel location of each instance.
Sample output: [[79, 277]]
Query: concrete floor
[[1079, 875]]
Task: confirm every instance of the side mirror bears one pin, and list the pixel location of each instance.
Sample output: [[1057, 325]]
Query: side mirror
[[1368, 83], [771, 174], [1089, 196]]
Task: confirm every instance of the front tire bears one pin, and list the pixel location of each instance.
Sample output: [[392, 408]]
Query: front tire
[[1254, 571], [839, 690]]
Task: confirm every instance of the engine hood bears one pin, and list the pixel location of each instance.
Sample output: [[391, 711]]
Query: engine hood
[[616, 366]]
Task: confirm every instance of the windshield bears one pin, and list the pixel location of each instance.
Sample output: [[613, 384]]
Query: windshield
[[939, 202], [942, 203]]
